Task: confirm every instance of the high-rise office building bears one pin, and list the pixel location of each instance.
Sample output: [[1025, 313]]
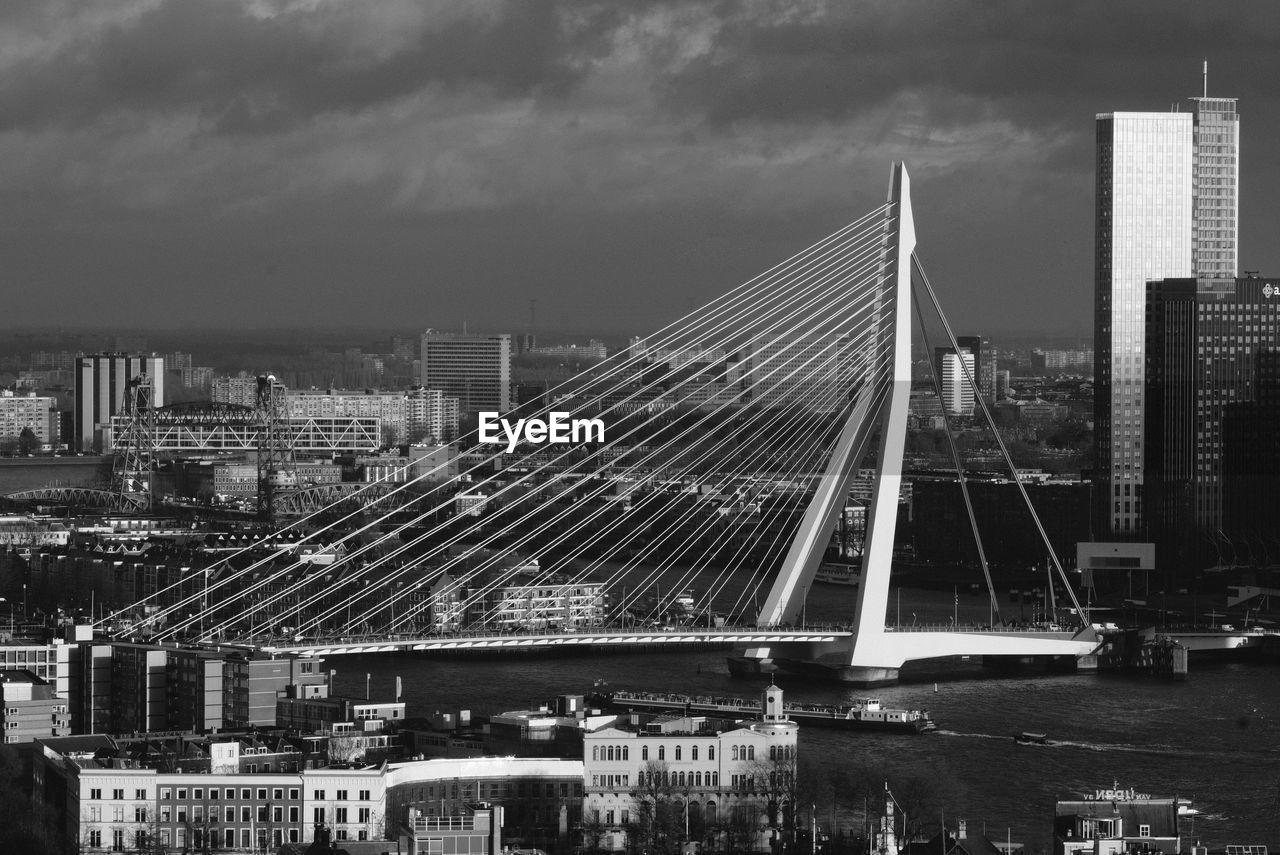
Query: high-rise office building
[[1206, 339], [958, 393], [101, 383], [475, 369], [957, 389], [1167, 207], [1216, 188]]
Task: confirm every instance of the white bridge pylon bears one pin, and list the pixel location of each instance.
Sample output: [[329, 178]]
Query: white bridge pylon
[[874, 653]]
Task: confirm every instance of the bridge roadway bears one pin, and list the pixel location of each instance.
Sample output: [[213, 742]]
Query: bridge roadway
[[942, 640]]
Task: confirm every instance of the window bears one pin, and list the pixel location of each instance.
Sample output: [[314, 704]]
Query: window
[[294, 793], [644, 752], [140, 794], [229, 815], [95, 838], [340, 815], [197, 793], [364, 795], [117, 813], [363, 815], [262, 793], [711, 752], [277, 814], [662, 752], [318, 795], [1144, 831], [182, 813], [166, 793], [293, 813], [319, 815], [751, 752], [139, 814], [117, 839], [95, 794], [677, 752], [246, 813], [182, 794], [245, 794], [341, 796], [117, 794], [165, 814], [277, 793], [693, 753]]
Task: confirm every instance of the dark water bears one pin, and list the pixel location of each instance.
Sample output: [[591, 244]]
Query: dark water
[[35, 472]]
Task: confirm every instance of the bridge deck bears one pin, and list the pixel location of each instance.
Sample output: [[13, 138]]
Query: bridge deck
[[617, 637]]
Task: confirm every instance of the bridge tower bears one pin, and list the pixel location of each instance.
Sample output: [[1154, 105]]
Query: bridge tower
[[131, 477], [276, 473]]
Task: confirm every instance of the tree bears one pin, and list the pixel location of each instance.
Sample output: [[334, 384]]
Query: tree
[[28, 442], [659, 809]]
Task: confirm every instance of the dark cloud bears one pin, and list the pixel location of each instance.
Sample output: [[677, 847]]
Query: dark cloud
[[276, 161], [265, 74]]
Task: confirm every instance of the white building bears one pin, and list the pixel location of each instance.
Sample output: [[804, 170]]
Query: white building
[[721, 779], [957, 389], [20, 412], [430, 416], [389, 407], [1167, 207], [102, 382]]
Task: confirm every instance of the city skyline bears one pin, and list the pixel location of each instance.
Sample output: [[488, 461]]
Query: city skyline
[[289, 165]]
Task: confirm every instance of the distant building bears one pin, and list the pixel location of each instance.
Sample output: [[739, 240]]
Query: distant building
[[430, 415], [957, 373], [101, 383], [23, 412], [241, 390], [814, 373], [388, 407], [475, 369]]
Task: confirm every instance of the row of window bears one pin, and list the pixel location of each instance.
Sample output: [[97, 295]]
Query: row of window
[[679, 779], [693, 753]]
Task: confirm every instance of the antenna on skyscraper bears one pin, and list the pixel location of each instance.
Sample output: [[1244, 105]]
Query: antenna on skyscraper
[[1204, 77]]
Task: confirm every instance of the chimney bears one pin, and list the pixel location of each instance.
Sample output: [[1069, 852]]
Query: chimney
[[962, 830]]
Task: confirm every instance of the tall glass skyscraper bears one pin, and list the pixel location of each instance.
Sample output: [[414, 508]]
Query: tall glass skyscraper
[[1167, 203]]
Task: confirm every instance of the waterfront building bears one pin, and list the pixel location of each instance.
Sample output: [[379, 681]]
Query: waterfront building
[[720, 776], [101, 382], [1114, 820], [475, 369], [1208, 341], [29, 412], [1167, 200]]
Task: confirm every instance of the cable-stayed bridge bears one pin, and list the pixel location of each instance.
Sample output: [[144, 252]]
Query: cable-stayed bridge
[[731, 439]]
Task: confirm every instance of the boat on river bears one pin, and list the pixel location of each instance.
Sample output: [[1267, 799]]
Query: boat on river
[[838, 574], [866, 714]]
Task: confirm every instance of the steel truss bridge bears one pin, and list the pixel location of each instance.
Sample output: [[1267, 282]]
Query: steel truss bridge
[[734, 435]]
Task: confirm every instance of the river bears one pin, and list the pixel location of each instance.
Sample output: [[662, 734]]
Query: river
[[1214, 739]]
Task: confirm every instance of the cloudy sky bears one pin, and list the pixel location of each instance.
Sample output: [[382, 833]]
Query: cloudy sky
[[414, 164]]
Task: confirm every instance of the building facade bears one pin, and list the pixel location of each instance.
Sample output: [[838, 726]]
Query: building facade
[[430, 416], [722, 781], [475, 369], [1209, 345], [29, 412], [101, 382]]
